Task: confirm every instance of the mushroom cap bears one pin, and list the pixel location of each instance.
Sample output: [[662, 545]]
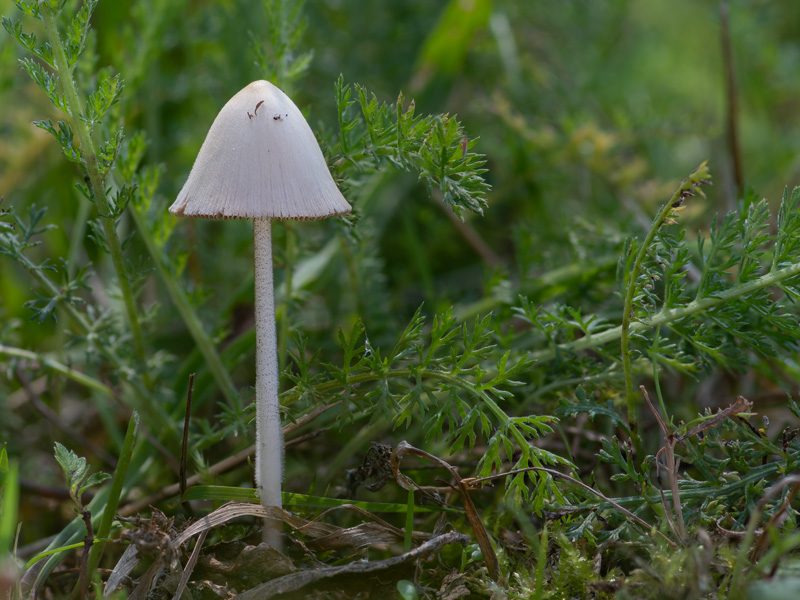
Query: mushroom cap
[[260, 159]]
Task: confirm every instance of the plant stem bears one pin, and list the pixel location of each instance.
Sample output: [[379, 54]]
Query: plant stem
[[91, 163], [54, 365], [627, 315], [666, 316], [79, 593], [657, 382], [697, 177], [110, 509], [269, 434]]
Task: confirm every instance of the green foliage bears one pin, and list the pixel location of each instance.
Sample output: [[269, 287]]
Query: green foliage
[[585, 405], [64, 134], [715, 318], [407, 590], [434, 147], [30, 42], [447, 382], [48, 82], [737, 268], [76, 33], [280, 59], [16, 240], [102, 99], [76, 470], [502, 341]]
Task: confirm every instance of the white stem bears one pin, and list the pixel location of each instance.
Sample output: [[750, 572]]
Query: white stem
[[269, 434]]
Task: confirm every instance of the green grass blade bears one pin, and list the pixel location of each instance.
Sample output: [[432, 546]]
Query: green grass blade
[[235, 494], [117, 482], [9, 501], [220, 492], [52, 551], [409, 520]]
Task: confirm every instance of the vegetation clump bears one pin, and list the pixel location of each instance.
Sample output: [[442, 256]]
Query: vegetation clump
[[529, 364]]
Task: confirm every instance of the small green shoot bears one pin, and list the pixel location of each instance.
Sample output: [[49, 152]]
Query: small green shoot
[[76, 470]]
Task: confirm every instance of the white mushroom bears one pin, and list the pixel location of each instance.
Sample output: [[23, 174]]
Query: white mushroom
[[261, 161]]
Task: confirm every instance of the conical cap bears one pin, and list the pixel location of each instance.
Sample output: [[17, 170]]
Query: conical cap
[[260, 159]]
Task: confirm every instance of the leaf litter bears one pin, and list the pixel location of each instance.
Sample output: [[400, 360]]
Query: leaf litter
[[238, 570]]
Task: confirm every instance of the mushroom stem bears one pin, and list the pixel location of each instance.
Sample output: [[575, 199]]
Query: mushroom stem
[[269, 434]]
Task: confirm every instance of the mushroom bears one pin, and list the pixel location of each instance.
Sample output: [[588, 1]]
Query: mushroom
[[261, 161]]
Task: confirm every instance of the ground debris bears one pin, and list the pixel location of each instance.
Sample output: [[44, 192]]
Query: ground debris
[[453, 587], [353, 576], [208, 590], [238, 565]]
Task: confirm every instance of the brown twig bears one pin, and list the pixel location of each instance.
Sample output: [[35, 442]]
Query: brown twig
[[671, 465], [485, 544], [83, 582], [741, 405], [733, 103], [35, 488]]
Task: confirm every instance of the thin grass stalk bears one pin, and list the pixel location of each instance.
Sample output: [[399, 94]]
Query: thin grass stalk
[[9, 503], [671, 466], [409, 533], [110, 510]]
